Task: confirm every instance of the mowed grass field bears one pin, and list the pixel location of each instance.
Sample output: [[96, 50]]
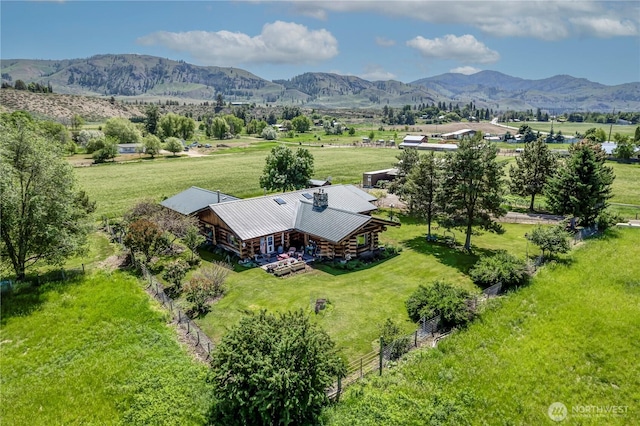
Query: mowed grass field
[[116, 187], [360, 301], [571, 336]]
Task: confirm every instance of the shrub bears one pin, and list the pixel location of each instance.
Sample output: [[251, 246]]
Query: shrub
[[605, 220], [175, 272], [273, 370], [440, 299], [393, 340], [502, 268], [552, 239], [208, 283]]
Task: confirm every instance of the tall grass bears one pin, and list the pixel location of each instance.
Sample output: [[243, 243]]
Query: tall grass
[[571, 336], [94, 351]]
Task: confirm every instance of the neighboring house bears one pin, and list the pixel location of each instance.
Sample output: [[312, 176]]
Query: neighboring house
[[609, 147], [333, 221], [130, 148], [459, 134], [194, 201]]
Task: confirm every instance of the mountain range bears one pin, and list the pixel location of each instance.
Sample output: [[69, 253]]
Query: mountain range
[[150, 78]]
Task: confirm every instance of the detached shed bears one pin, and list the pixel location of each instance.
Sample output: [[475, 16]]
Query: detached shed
[[370, 179]]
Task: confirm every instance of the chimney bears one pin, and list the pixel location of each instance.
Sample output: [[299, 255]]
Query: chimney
[[320, 200], [218, 192]]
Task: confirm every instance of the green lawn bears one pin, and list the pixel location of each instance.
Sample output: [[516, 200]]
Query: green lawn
[[572, 336], [95, 351], [360, 301], [116, 187], [569, 129]]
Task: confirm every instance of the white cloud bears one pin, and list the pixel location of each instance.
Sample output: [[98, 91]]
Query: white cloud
[[464, 49], [545, 19], [385, 42], [375, 72], [605, 27], [465, 70], [278, 43]]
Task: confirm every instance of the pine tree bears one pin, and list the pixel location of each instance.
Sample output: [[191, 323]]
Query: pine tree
[[423, 185], [582, 185], [532, 170], [472, 187]]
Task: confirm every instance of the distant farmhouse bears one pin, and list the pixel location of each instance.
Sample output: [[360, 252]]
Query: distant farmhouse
[[422, 142], [335, 220]]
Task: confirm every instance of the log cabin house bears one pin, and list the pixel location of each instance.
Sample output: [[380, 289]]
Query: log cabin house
[[333, 222]]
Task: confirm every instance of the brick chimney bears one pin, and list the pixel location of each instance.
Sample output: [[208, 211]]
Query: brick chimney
[[320, 200]]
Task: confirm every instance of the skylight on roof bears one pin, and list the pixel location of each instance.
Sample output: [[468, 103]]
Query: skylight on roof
[[279, 201], [307, 195]]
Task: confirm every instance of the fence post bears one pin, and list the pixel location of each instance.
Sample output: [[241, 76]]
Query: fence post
[[415, 339], [381, 354], [179, 317], [188, 326], [208, 348], [339, 389], [83, 268], [197, 338]]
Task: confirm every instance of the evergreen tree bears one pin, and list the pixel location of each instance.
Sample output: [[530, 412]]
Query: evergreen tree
[[471, 192], [582, 185], [423, 185], [532, 170]]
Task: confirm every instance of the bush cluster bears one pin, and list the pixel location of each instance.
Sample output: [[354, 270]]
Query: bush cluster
[[440, 299], [501, 268]]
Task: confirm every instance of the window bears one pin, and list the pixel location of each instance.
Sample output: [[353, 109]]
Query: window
[[363, 240], [280, 201], [307, 195]]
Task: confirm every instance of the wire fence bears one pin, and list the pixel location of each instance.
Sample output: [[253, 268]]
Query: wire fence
[[194, 335], [428, 333]]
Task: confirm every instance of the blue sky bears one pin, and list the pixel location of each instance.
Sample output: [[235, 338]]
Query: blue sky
[[375, 40]]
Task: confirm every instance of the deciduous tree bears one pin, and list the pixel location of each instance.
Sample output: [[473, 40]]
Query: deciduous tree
[[273, 370], [123, 130], [152, 145], [173, 145], [550, 239], [285, 170], [43, 216]]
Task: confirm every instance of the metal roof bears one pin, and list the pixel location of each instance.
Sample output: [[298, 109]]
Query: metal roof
[[195, 199], [329, 224], [256, 217]]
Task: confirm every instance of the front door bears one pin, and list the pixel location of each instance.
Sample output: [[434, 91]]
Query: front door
[[270, 248]]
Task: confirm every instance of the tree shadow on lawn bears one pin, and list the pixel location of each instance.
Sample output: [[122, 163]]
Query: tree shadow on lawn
[[28, 296], [330, 268], [450, 256]]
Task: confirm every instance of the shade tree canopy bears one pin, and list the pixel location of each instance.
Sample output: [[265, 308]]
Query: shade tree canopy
[[44, 216], [286, 170]]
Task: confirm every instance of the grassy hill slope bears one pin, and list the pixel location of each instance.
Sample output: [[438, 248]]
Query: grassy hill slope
[[572, 336], [94, 351]]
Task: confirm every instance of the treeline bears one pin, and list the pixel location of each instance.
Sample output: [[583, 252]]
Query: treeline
[[31, 87], [573, 117]]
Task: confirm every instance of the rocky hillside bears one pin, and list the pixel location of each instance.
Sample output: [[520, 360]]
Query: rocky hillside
[[150, 78], [62, 107]]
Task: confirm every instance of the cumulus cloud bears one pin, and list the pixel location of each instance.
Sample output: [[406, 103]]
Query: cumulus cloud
[[278, 43], [385, 42], [375, 72], [464, 49], [465, 70], [547, 19]]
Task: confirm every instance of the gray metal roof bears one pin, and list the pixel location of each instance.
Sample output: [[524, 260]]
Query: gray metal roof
[[329, 224], [195, 199], [256, 217]]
